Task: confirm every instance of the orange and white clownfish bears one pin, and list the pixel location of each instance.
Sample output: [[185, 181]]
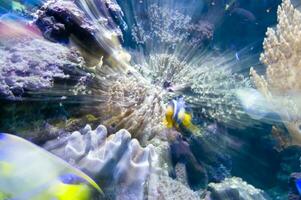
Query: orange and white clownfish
[[177, 116]]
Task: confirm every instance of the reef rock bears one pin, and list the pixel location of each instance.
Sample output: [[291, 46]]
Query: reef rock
[[169, 188], [119, 161], [20, 71], [234, 189], [97, 34], [59, 19]]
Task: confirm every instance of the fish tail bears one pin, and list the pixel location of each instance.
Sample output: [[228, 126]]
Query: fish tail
[[195, 130]]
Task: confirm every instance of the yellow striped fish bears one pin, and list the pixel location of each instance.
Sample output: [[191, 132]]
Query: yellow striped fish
[[29, 172]]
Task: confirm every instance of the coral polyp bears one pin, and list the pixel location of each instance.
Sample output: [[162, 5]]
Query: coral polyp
[[136, 99], [130, 102]]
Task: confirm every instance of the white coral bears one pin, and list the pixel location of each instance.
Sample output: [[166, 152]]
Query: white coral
[[117, 159], [282, 56]]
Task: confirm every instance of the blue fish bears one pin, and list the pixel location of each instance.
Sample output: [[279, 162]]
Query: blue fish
[[298, 185]]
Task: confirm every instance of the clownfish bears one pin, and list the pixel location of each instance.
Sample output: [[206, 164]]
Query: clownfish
[[177, 116]]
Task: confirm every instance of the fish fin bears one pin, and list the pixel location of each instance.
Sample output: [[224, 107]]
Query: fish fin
[[70, 191], [89, 180], [15, 140], [186, 120], [167, 123]]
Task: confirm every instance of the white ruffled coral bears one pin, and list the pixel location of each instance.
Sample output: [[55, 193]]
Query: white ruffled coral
[[126, 170], [116, 159], [282, 56]]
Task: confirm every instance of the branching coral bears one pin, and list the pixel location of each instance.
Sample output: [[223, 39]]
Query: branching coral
[[282, 53]]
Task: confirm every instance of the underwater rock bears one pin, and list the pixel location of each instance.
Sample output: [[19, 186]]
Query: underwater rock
[[199, 160], [161, 147], [20, 71], [169, 188], [181, 153], [234, 189], [160, 185], [59, 20], [181, 174], [119, 161]]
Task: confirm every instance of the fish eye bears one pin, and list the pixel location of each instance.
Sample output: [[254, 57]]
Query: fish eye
[[71, 179]]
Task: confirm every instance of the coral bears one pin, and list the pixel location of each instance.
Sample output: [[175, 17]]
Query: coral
[[169, 26], [130, 102], [281, 56], [119, 161], [20, 71], [126, 170], [234, 189], [135, 100], [205, 159], [208, 80], [134, 97]]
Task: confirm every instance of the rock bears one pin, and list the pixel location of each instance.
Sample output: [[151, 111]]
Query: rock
[[169, 188], [97, 34], [234, 189], [31, 63]]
